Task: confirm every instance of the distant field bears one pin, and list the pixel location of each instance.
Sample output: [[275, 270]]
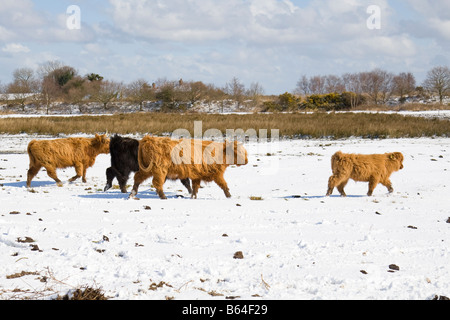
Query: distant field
[[315, 125]]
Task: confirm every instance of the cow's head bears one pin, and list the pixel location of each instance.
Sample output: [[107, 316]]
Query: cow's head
[[101, 143], [235, 153], [397, 158]]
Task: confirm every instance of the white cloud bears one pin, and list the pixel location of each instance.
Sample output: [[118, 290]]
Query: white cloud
[[95, 49], [262, 22], [15, 48], [432, 21]]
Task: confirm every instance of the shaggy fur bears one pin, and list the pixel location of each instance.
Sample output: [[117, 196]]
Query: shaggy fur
[[167, 158], [62, 153], [124, 160], [372, 168]]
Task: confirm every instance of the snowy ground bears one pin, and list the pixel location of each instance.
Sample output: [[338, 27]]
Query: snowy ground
[[296, 243]]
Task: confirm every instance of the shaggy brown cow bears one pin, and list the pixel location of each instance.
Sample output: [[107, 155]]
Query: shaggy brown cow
[[181, 159], [372, 168], [62, 153]]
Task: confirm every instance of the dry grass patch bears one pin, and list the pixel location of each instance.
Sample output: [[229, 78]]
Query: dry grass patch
[[84, 293], [314, 125]]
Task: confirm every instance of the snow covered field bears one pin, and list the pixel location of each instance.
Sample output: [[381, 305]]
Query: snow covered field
[[295, 243]]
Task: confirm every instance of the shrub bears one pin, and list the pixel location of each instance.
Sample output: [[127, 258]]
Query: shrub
[[331, 101]]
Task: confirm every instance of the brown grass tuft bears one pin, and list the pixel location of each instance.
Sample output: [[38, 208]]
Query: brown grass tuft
[[85, 293]]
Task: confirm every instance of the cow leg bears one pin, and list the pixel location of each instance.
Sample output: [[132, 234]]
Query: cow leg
[[110, 175], [332, 182], [220, 181], [158, 182], [78, 171], [187, 184], [32, 172], [195, 187], [84, 174], [341, 186], [139, 177], [388, 185], [372, 184], [51, 172], [122, 179]]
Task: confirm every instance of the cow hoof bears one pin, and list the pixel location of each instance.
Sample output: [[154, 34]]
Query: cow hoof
[[133, 196]]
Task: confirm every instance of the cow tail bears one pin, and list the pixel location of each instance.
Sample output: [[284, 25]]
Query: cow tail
[[337, 157], [30, 154], [141, 162]]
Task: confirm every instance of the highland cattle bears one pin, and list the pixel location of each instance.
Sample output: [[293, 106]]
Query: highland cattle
[[372, 168], [124, 160], [62, 153], [198, 160]]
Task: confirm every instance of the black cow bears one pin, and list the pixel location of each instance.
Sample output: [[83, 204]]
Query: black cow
[[124, 160]]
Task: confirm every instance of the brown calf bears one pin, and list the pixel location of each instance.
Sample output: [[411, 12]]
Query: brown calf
[[372, 168]]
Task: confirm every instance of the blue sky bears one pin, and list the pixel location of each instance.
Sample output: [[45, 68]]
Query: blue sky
[[272, 42]]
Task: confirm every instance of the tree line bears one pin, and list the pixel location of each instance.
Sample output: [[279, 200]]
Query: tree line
[[54, 82], [376, 87]]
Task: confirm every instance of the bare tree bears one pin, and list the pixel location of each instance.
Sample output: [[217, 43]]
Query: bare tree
[[334, 84], [24, 85], [255, 92], [140, 91], [195, 91], [53, 76], [438, 81], [106, 91], [352, 84], [48, 67], [303, 86], [317, 85], [377, 84], [49, 91], [404, 84], [236, 90], [76, 91]]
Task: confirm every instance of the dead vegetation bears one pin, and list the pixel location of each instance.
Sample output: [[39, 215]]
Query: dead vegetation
[[84, 293], [290, 125], [48, 288]]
